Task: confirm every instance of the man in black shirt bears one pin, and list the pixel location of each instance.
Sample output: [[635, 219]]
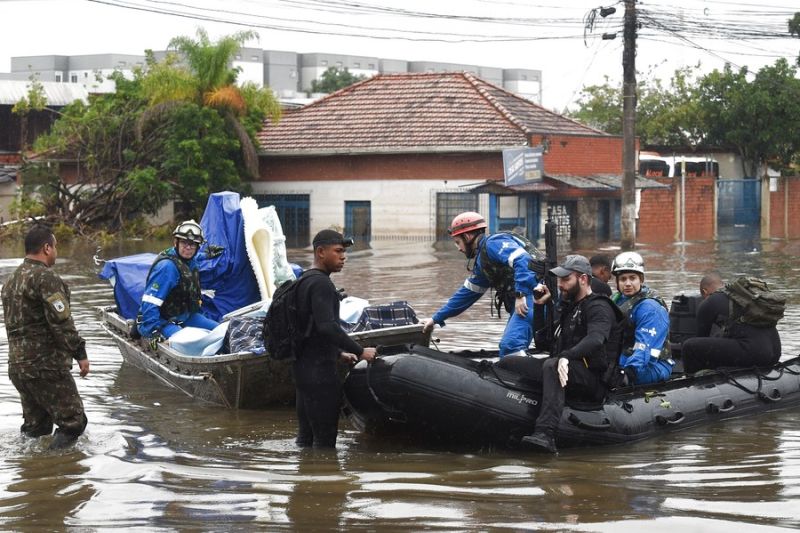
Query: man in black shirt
[[316, 377], [587, 342], [738, 345]]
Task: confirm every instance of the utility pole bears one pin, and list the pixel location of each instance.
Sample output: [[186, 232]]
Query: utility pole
[[628, 215]]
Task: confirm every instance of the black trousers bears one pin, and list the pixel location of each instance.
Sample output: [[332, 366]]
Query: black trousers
[[318, 414], [582, 383], [713, 352]]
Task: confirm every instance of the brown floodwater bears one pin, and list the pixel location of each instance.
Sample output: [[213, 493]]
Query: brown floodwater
[[153, 459]]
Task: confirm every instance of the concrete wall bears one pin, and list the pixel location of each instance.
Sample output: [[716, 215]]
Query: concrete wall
[[403, 208]]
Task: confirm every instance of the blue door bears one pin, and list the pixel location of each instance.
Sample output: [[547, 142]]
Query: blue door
[[358, 220], [293, 212], [738, 207]]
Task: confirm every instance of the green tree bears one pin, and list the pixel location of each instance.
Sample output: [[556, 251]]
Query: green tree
[[794, 29], [666, 114], [761, 119], [34, 100], [334, 79], [200, 73]]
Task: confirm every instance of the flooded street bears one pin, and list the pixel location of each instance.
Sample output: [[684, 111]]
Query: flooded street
[[153, 459]]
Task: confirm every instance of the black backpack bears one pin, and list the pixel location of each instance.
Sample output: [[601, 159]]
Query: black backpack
[[281, 329], [753, 303]]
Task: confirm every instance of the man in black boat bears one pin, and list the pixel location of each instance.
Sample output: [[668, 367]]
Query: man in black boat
[[722, 340], [587, 343], [601, 274], [42, 342], [710, 283], [318, 389], [503, 262]]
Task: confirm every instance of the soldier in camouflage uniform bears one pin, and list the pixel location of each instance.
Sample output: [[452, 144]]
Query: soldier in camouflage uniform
[[42, 342]]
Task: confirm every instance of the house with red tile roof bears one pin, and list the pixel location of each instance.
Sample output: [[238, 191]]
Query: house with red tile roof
[[397, 156]]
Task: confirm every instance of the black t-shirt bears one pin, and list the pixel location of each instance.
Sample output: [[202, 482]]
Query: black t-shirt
[[318, 300]]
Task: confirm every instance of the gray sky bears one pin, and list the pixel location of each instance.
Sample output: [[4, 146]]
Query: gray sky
[[535, 34]]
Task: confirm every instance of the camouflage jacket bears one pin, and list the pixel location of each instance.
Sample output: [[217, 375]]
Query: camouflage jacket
[[41, 332]]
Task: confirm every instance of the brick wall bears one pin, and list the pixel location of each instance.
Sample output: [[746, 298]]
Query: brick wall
[[778, 213], [477, 166], [657, 222], [582, 155]]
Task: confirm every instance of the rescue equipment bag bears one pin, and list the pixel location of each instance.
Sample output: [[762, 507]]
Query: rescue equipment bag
[[281, 331], [753, 303]]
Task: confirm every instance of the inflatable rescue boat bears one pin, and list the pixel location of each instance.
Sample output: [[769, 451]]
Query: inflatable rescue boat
[[463, 398]]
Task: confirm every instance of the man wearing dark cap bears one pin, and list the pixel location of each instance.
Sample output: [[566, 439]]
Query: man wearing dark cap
[[316, 377], [587, 343]]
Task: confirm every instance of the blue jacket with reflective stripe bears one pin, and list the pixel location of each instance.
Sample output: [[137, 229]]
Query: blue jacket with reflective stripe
[[651, 327], [501, 248]]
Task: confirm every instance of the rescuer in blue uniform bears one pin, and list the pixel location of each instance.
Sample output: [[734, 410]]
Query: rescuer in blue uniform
[[501, 262], [645, 354], [171, 299]]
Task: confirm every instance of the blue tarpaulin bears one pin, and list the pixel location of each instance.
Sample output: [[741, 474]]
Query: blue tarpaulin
[[230, 275]]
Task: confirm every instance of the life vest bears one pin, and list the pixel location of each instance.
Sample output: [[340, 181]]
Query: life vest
[[185, 297], [501, 275], [573, 327], [629, 328]]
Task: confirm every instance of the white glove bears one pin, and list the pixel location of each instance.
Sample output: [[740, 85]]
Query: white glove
[[563, 371]]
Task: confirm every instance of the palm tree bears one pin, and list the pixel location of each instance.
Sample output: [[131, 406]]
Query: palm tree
[[200, 72]]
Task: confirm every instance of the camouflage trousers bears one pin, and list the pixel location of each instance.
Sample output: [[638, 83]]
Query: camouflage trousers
[[48, 397]]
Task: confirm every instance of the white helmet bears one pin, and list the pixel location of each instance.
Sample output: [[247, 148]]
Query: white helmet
[[189, 231], [628, 262]]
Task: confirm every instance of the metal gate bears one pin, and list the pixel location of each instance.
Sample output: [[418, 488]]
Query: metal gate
[[448, 205], [738, 207], [293, 212]]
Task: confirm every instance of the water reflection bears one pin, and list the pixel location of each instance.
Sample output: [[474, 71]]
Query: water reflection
[[154, 459]]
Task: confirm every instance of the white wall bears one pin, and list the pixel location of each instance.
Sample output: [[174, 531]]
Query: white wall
[[399, 208], [251, 71]]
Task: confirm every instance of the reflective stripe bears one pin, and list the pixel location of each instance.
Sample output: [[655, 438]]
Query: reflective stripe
[[149, 298], [655, 353], [517, 353], [639, 346], [516, 253], [474, 288]]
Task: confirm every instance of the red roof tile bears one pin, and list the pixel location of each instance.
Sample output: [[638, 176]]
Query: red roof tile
[[414, 112]]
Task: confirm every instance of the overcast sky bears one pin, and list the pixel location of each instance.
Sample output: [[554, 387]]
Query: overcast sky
[[534, 34]]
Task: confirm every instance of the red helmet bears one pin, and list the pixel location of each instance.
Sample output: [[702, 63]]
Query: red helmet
[[466, 222]]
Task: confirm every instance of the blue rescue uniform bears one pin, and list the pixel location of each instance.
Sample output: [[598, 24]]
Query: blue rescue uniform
[[501, 248], [163, 279], [650, 323]]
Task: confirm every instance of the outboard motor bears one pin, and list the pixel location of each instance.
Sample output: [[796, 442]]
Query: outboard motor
[[682, 320]]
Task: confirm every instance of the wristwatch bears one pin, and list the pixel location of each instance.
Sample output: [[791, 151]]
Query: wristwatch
[[520, 295]]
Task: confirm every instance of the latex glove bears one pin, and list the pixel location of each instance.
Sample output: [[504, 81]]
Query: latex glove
[[214, 250], [521, 306], [563, 371], [427, 325]]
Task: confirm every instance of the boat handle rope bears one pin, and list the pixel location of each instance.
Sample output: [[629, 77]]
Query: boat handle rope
[[677, 419], [758, 392], [575, 420], [388, 408]]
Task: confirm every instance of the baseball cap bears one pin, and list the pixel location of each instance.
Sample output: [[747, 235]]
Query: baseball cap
[[329, 236], [573, 263]]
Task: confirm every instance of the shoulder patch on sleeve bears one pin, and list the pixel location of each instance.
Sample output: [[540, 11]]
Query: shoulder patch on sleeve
[[60, 305]]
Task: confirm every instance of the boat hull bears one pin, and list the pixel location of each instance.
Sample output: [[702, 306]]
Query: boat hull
[[242, 380], [443, 397]]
